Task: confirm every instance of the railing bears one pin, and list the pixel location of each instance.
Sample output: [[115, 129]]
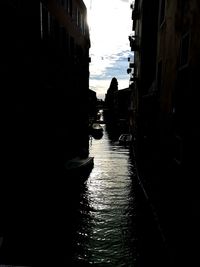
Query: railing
[[134, 43], [135, 10], [132, 65], [13, 3], [134, 78]]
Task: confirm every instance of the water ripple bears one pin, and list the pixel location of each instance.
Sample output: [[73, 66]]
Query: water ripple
[[106, 230]]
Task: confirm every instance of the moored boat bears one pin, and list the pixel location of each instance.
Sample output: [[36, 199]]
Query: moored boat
[[125, 139], [79, 166], [96, 130]]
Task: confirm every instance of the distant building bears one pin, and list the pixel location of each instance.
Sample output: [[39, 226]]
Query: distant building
[[124, 109], [111, 103], [117, 106], [100, 103], [92, 105]]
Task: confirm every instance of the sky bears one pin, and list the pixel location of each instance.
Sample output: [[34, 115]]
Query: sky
[[110, 25]]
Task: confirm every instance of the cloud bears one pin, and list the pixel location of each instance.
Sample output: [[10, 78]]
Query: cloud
[[110, 25], [113, 65]]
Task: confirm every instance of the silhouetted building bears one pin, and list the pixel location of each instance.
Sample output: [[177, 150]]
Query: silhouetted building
[[144, 46], [45, 81], [111, 102], [100, 103], [117, 107], [65, 72], [124, 109], [92, 105], [166, 80]]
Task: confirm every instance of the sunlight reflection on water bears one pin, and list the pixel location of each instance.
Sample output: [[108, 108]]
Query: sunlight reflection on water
[[105, 234]]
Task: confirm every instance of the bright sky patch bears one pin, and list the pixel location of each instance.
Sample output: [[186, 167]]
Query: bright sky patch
[[110, 25]]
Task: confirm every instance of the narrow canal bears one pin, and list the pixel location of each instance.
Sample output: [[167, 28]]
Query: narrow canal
[[114, 225]]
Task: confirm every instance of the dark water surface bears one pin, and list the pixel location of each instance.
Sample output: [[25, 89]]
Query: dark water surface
[[114, 225], [105, 232]]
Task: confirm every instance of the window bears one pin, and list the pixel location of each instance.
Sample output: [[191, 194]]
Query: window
[[184, 50], [70, 7], [178, 150], [162, 12], [49, 23], [84, 26], [67, 43], [72, 46], [66, 4], [56, 30], [159, 76], [81, 23], [14, 3], [78, 17], [41, 26], [52, 27], [44, 21], [64, 37]]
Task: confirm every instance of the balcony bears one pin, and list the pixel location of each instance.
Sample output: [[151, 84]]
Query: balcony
[[132, 65], [135, 14], [134, 43], [129, 70], [135, 10], [134, 78], [13, 3]]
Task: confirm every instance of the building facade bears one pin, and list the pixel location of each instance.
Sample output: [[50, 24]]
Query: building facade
[[165, 81], [64, 72], [45, 79]]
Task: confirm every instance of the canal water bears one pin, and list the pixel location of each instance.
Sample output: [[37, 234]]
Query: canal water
[[105, 232], [113, 224]]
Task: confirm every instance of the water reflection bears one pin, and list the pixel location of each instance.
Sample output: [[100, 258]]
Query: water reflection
[[105, 225]]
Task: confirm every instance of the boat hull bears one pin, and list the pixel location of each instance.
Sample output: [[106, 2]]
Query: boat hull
[[79, 167]]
